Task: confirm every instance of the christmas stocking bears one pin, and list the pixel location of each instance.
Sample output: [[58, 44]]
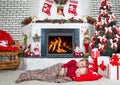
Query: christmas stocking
[[47, 6], [60, 10], [73, 7]]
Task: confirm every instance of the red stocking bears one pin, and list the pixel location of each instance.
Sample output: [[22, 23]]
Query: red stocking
[[72, 7], [47, 6]]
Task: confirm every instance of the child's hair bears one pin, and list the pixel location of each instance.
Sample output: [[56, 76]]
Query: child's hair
[[86, 60]]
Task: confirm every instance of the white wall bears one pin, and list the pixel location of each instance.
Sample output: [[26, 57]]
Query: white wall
[[83, 8], [41, 63]]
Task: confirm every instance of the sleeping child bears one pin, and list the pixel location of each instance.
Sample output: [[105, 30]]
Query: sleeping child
[[80, 71], [56, 73]]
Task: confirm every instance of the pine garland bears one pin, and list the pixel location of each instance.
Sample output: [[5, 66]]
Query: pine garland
[[71, 20], [61, 2]]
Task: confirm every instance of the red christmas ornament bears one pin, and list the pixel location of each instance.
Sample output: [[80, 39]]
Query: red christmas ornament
[[81, 54]]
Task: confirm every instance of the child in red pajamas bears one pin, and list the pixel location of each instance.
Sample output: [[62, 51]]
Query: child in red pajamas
[[72, 66]]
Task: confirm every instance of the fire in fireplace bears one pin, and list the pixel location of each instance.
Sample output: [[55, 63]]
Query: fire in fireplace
[[58, 43]]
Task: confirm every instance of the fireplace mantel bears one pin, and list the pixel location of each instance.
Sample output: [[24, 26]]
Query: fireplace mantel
[[35, 28]]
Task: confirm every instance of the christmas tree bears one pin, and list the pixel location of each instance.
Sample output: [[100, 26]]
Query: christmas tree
[[107, 34]]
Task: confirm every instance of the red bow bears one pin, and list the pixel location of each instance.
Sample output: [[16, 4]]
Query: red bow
[[115, 63], [115, 60], [115, 57], [102, 66]]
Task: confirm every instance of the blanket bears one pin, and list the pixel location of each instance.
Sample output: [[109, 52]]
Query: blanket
[[50, 74]]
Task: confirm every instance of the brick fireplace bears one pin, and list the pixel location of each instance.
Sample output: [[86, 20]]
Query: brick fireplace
[[57, 40]]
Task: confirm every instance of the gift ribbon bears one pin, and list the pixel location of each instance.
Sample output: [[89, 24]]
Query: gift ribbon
[[118, 73], [115, 60], [115, 57], [102, 66], [94, 55], [94, 60], [115, 63]]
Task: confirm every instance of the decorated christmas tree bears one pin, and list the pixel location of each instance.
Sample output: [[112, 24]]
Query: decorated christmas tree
[[107, 34]]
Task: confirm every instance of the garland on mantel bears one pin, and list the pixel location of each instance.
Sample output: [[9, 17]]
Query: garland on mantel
[[61, 2], [71, 20]]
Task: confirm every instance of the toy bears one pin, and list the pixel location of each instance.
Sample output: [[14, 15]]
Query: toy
[[77, 50], [27, 51], [36, 51]]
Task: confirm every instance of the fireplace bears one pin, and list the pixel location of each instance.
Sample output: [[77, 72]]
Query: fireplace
[[58, 43]]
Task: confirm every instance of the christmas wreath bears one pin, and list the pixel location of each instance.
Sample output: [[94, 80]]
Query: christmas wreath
[[61, 2]]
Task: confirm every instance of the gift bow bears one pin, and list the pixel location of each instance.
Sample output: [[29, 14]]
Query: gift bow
[[102, 66], [109, 30], [115, 60], [102, 47], [113, 44]]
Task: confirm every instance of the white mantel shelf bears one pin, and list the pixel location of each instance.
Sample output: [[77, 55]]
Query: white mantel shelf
[[62, 25]]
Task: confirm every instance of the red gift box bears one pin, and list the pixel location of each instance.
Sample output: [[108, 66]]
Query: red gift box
[[95, 53]]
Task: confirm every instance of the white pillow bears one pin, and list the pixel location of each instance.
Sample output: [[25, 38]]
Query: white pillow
[[3, 43]]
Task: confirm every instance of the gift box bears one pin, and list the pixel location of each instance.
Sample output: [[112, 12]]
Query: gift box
[[103, 65], [114, 67], [114, 72], [95, 53]]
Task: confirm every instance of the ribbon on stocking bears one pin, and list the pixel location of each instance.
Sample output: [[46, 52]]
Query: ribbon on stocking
[[47, 7]]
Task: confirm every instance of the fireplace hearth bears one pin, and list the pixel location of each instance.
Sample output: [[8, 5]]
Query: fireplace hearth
[[58, 43]]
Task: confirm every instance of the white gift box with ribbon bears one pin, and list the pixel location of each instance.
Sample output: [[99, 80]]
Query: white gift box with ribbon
[[103, 65], [114, 67]]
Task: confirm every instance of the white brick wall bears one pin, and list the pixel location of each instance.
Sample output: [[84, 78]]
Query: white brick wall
[[115, 8], [12, 12]]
